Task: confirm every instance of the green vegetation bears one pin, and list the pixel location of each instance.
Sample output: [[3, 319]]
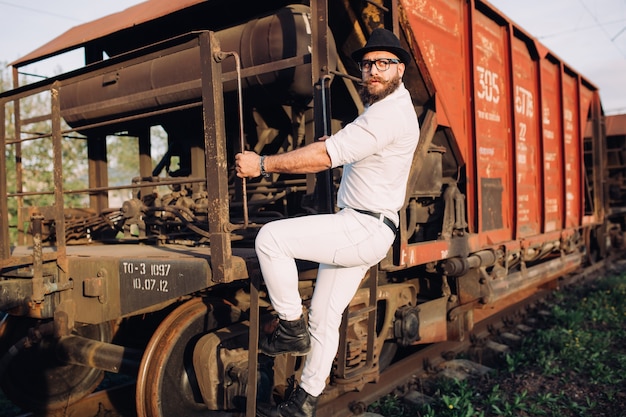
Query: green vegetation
[[574, 364], [32, 159]]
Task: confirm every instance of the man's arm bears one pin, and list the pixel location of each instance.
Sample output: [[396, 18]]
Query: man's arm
[[306, 160]]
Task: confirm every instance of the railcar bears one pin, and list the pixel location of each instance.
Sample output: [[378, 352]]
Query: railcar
[[615, 185], [156, 277]]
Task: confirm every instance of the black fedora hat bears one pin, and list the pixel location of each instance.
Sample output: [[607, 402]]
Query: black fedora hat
[[382, 40]]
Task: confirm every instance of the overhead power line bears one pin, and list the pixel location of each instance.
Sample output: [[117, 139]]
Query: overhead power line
[[601, 25], [580, 29], [44, 12]]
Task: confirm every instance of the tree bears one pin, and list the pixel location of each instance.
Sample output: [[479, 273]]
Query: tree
[[32, 158], [30, 175]]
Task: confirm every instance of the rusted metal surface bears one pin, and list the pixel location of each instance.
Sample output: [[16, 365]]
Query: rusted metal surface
[[552, 149], [616, 166], [511, 121], [78, 350], [168, 359], [215, 159], [210, 360], [616, 125], [148, 83], [527, 140], [120, 280], [117, 400], [573, 126], [491, 122]]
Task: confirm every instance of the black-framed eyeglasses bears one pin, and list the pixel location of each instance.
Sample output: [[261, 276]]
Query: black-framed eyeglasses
[[382, 64]]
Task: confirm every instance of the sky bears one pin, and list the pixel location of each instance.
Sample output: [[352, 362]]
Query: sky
[[588, 35], [28, 24]]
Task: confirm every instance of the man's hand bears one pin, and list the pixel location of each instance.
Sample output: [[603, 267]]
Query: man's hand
[[306, 160], [248, 164]]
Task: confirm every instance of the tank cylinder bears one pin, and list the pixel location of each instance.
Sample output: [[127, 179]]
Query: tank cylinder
[[174, 78]]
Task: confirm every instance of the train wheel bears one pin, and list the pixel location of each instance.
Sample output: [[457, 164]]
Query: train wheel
[[387, 354], [595, 245], [166, 384], [35, 379]]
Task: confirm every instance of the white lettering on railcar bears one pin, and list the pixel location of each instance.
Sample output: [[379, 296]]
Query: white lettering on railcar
[[524, 101], [151, 284], [143, 273], [552, 205], [568, 138], [488, 88], [522, 132], [162, 270], [134, 268], [523, 215], [140, 268], [568, 116], [546, 115], [492, 117], [486, 151]]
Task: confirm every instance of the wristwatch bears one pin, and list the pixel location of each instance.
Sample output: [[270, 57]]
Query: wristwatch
[[263, 172]]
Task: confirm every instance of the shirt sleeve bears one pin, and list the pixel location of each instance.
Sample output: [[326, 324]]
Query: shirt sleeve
[[366, 135]]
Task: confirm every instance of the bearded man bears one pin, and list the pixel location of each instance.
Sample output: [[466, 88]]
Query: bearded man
[[376, 151]]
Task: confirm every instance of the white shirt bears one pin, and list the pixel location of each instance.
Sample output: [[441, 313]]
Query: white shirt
[[376, 151]]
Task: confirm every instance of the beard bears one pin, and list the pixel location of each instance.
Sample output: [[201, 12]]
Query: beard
[[369, 96]]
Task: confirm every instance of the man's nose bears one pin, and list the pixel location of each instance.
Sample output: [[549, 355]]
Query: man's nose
[[373, 70]]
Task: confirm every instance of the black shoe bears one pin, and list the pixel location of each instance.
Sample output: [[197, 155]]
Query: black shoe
[[299, 404], [289, 337]]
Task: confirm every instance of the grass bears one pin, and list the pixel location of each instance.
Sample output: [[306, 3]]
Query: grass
[[573, 364]]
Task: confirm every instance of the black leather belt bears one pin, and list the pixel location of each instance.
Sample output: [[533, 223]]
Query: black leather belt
[[386, 219]]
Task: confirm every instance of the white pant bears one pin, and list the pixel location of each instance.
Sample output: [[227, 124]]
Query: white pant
[[346, 245]]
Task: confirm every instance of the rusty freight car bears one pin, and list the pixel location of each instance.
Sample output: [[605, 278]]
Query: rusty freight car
[[615, 185], [505, 193]]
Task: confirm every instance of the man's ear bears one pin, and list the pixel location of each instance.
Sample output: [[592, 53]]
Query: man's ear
[[401, 68]]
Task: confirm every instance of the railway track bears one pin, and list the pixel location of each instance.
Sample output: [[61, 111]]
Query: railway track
[[427, 361], [119, 401]]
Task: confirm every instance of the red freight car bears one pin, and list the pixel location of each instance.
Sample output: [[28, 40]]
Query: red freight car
[[517, 114], [505, 192]]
